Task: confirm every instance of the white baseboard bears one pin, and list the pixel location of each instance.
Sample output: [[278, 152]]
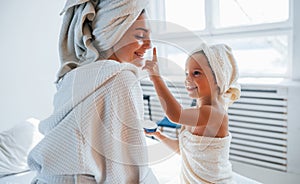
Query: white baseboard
[[264, 175]]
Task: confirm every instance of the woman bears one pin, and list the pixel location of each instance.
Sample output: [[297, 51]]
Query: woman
[[94, 134], [204, 139]]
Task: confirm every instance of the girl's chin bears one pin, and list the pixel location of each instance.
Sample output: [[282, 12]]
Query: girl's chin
[[193, 94]]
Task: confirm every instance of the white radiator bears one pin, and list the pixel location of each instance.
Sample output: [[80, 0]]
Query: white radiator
[[178, 91], [265, 127], [258, 123]]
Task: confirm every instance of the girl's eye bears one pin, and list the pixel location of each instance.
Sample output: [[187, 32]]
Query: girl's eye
[[196, 73]]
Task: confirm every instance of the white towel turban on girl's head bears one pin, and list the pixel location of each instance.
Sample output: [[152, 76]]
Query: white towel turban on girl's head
[[91, 27], [225, 69]]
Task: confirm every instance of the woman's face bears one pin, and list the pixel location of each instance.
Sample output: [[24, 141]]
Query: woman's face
[[199, 77], [134, 43]]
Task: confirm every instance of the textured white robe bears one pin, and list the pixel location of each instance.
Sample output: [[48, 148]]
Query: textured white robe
[[95, 127]]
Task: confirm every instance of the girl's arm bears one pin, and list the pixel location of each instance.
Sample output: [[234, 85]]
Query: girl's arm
[[168, 102], [170, 105], [173, 144]]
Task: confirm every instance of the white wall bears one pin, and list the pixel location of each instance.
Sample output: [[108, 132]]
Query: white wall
[[296, 41], [29, 58]]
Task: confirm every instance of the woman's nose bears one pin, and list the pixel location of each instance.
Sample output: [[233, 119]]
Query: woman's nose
[[147, 44]]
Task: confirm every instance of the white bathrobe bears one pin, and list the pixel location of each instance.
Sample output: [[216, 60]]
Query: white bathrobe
[[95, 127], [205, 159]]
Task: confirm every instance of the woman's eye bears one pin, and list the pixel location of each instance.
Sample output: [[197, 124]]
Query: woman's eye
[[139, 36]]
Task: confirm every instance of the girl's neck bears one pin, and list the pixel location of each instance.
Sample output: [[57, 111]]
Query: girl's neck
[[211, 100], [207, 100]]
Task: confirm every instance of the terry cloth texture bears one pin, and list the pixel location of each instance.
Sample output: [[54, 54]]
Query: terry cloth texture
[[205, 159], [224, 67], [91, 27], [95, 127]]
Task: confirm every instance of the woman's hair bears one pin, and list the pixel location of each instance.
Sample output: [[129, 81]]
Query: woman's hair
[[90, 29]]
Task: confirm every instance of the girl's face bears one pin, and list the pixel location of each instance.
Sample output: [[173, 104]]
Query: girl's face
[[200, 81], [134, 43]]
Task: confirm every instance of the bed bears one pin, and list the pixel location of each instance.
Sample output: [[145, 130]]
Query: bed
[[19, 178], [13, 170]]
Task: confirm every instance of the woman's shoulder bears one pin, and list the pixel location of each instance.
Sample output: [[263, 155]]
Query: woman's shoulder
[[98, 73], [108, 63], [110, 68]]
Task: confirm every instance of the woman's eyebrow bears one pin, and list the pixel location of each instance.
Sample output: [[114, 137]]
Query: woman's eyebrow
[[143, 29]]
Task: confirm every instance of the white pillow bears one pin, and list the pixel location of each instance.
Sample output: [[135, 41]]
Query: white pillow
[[15, 144]]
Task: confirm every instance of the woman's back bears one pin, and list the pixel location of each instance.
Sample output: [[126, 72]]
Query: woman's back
[[88, 134]]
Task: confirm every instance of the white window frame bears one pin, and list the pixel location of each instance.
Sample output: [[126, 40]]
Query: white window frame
[[289, 28]]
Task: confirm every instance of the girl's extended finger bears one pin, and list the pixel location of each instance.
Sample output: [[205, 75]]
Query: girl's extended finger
[[154, 58]]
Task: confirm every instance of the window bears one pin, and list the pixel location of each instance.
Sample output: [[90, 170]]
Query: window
[[262, 56], [245, 12], [259, 32], [194, 19]]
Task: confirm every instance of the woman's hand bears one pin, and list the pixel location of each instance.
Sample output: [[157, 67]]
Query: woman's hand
[[152, 66]]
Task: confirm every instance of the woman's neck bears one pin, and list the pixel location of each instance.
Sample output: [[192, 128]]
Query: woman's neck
[[114, 57]]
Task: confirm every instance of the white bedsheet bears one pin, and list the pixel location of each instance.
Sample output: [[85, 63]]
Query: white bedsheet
[[164, 163], [20, 178], [165, 176]]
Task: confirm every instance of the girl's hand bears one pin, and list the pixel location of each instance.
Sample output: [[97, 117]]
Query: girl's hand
[[156, 134], [152, 66]]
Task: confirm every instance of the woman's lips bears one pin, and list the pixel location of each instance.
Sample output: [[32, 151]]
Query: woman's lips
[[139, 54]]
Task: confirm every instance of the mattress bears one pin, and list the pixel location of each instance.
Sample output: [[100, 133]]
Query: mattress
[[164, 163], [19, 178]]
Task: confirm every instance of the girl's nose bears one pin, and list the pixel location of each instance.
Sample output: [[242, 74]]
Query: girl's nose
[[188, 79]]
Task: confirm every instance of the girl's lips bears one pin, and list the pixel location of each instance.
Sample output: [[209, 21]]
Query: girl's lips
[[191, 88]]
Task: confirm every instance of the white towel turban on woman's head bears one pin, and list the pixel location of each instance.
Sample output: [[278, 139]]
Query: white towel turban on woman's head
[[91, 27], [224, 68]]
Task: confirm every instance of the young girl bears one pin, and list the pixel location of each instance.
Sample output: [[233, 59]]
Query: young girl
[[204, 139]]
